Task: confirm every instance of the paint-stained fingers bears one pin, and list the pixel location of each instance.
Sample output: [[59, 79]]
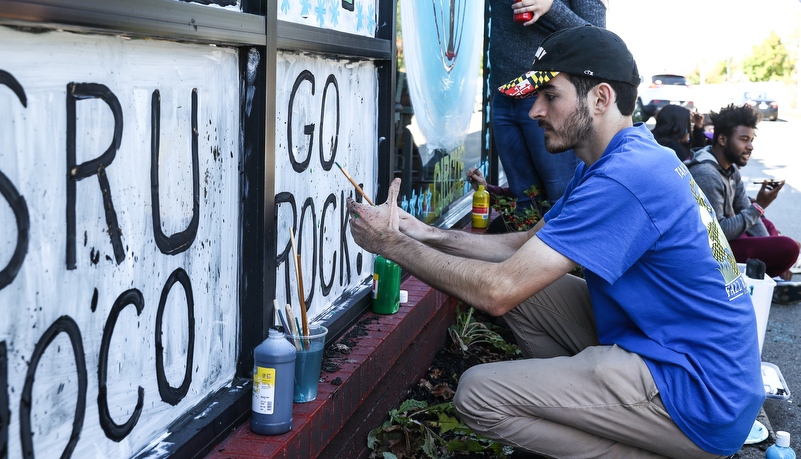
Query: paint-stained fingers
[[363, 211], [353, 207], [367, 224]]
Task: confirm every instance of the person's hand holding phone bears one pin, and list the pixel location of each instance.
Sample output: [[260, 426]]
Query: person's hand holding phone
[[768, 192]]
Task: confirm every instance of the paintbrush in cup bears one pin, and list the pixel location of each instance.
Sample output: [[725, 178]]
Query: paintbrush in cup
[[293, 328], [299, 275], [281, 316]]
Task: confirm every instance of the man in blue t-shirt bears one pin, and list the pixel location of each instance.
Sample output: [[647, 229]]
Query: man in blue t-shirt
[[656, 353]]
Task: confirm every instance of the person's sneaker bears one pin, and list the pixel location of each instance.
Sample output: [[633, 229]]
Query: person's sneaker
[[787, 292]]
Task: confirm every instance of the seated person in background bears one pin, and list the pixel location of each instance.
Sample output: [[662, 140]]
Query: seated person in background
[[629, 362], [716, 170], [676, 127]]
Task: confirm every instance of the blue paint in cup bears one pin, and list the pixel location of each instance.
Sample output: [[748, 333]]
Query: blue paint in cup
[[308, 361]]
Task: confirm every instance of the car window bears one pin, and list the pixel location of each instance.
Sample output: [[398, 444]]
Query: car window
[[756, 95], [677, 80]]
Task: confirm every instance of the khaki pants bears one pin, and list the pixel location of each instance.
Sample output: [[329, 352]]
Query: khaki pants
[[571, 397]]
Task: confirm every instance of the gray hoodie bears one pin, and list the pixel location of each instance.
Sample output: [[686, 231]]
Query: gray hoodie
[[726, 193]]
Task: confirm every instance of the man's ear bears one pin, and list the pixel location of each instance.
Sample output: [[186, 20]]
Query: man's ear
[[603, 97], [722, 140]]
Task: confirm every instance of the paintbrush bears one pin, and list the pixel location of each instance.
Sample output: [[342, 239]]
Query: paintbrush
[[281, 316], [293, 329], [358, 188], [300, 284]]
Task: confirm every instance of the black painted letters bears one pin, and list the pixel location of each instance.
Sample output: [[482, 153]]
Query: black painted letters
[[168, 393], [15, 200], [76, 172], [113, 430], [181, 241], [67, 325], [307, 130]]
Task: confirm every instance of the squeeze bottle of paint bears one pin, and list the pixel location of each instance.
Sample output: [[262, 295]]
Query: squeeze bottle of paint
[[522, 17], [781, 450], [386, 286], [481, 199], [273, 385]]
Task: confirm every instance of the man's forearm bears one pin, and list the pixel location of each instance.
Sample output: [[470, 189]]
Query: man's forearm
[[734, 227], [486, 247], [494, 288], [456, 276]]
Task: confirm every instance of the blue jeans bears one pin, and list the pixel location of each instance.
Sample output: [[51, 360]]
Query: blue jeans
[[521, 149]]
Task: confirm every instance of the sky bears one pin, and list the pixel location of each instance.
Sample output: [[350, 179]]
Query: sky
[[674, 35]]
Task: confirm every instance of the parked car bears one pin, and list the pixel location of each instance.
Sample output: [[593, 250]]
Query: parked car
[[661, 90], [762, 102]]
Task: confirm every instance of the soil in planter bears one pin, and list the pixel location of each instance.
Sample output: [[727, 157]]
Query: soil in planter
[[436, 388]]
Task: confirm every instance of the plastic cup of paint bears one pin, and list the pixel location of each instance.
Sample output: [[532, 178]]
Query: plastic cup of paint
[[308, 362]]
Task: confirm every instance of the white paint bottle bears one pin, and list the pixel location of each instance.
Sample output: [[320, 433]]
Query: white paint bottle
[[273, 376]]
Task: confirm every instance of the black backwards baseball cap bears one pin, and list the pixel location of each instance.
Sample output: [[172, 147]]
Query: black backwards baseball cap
[[585, 50]]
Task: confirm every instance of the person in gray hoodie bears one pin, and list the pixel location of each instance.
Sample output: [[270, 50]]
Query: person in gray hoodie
[[716, 170]]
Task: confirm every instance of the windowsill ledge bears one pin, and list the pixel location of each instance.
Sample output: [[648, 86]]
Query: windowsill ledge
[[395, 353]]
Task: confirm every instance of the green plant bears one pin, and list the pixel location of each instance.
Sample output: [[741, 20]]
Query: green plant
[[521, 220], [416, 430], [468, 332]]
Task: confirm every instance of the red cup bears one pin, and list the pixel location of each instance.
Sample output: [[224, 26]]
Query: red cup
[[522, 17]]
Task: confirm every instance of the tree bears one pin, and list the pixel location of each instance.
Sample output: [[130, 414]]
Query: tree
[[714, 75], [769, 61]]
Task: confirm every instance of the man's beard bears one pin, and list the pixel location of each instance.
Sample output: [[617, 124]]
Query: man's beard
[[577, 127], [735, 157]]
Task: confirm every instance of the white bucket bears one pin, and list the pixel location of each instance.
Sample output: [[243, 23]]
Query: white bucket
[[761, 292]]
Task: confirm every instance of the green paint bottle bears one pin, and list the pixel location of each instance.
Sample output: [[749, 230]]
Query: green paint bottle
[[386, 286]]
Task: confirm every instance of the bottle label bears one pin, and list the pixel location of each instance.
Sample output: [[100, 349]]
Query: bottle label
[[264, 390], [375, 285], [482, 212]]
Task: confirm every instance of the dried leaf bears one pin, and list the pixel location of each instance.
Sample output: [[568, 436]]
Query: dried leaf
[[401, 449], [444, 391]]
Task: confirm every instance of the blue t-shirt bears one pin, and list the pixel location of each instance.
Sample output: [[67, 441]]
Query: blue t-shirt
[[664, 284]]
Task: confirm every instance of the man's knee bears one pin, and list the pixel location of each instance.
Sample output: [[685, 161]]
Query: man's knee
[[468, 401]]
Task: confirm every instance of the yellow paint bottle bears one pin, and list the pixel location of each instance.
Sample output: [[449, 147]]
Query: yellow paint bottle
[[481, 199]]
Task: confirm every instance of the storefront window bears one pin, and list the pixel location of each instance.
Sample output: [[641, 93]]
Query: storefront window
[[439, 100]]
